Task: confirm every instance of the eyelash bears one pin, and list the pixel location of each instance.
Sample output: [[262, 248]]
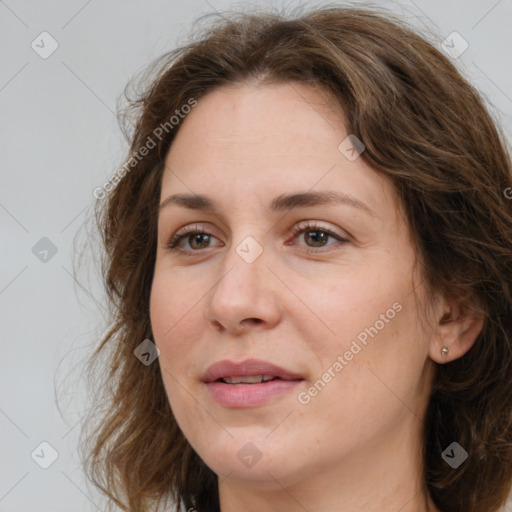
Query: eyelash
[[297, 230]]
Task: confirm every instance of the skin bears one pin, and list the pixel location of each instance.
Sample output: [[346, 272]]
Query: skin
[[356, 445]]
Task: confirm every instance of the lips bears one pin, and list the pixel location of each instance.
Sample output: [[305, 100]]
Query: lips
[[227, 369], [222, 380]]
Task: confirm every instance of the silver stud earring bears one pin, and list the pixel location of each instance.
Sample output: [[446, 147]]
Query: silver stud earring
[[444, 351]]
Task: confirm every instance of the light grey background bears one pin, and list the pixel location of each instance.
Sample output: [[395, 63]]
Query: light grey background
[[60, 140]]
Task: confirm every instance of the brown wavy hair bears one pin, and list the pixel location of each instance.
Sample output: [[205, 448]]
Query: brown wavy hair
[[425, 128]]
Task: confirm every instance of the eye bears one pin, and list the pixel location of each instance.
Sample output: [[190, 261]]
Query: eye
[[193, 235], [199, 239], [316, 235]]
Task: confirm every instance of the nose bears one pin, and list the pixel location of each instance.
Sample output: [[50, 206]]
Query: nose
[[245, 295]]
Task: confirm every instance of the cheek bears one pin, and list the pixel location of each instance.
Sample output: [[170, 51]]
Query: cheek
[[176, 321], [352, 304], [375, 385], [175, 326], [376, 343], [175, 306]]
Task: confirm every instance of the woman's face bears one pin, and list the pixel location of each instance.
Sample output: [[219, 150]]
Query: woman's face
[[332, 304]]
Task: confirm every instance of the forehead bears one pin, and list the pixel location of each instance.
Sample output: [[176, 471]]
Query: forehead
[[263, 140], [236, 121], [252, 110]]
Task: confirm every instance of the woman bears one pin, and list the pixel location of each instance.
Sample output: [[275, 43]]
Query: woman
[[309, 250]]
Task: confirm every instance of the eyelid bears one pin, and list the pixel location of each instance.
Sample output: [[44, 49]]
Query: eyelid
[[313, 225], [298, 229], [190, 229]]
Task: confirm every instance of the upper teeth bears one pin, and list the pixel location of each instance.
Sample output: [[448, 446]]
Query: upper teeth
[[250, 379]]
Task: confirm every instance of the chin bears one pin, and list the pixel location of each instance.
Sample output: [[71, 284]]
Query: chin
[[265, 468]]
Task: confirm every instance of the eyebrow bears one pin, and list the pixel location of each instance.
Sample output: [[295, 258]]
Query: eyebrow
[[283, 202]]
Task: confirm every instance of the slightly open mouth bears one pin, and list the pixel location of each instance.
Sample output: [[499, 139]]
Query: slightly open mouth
[[249, 394], [261, 381]]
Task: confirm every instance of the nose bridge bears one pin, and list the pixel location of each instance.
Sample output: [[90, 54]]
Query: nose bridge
[[243, 269], [244, 290], [246, 255]]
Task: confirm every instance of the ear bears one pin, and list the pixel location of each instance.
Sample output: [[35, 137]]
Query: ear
[[457, 329]]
